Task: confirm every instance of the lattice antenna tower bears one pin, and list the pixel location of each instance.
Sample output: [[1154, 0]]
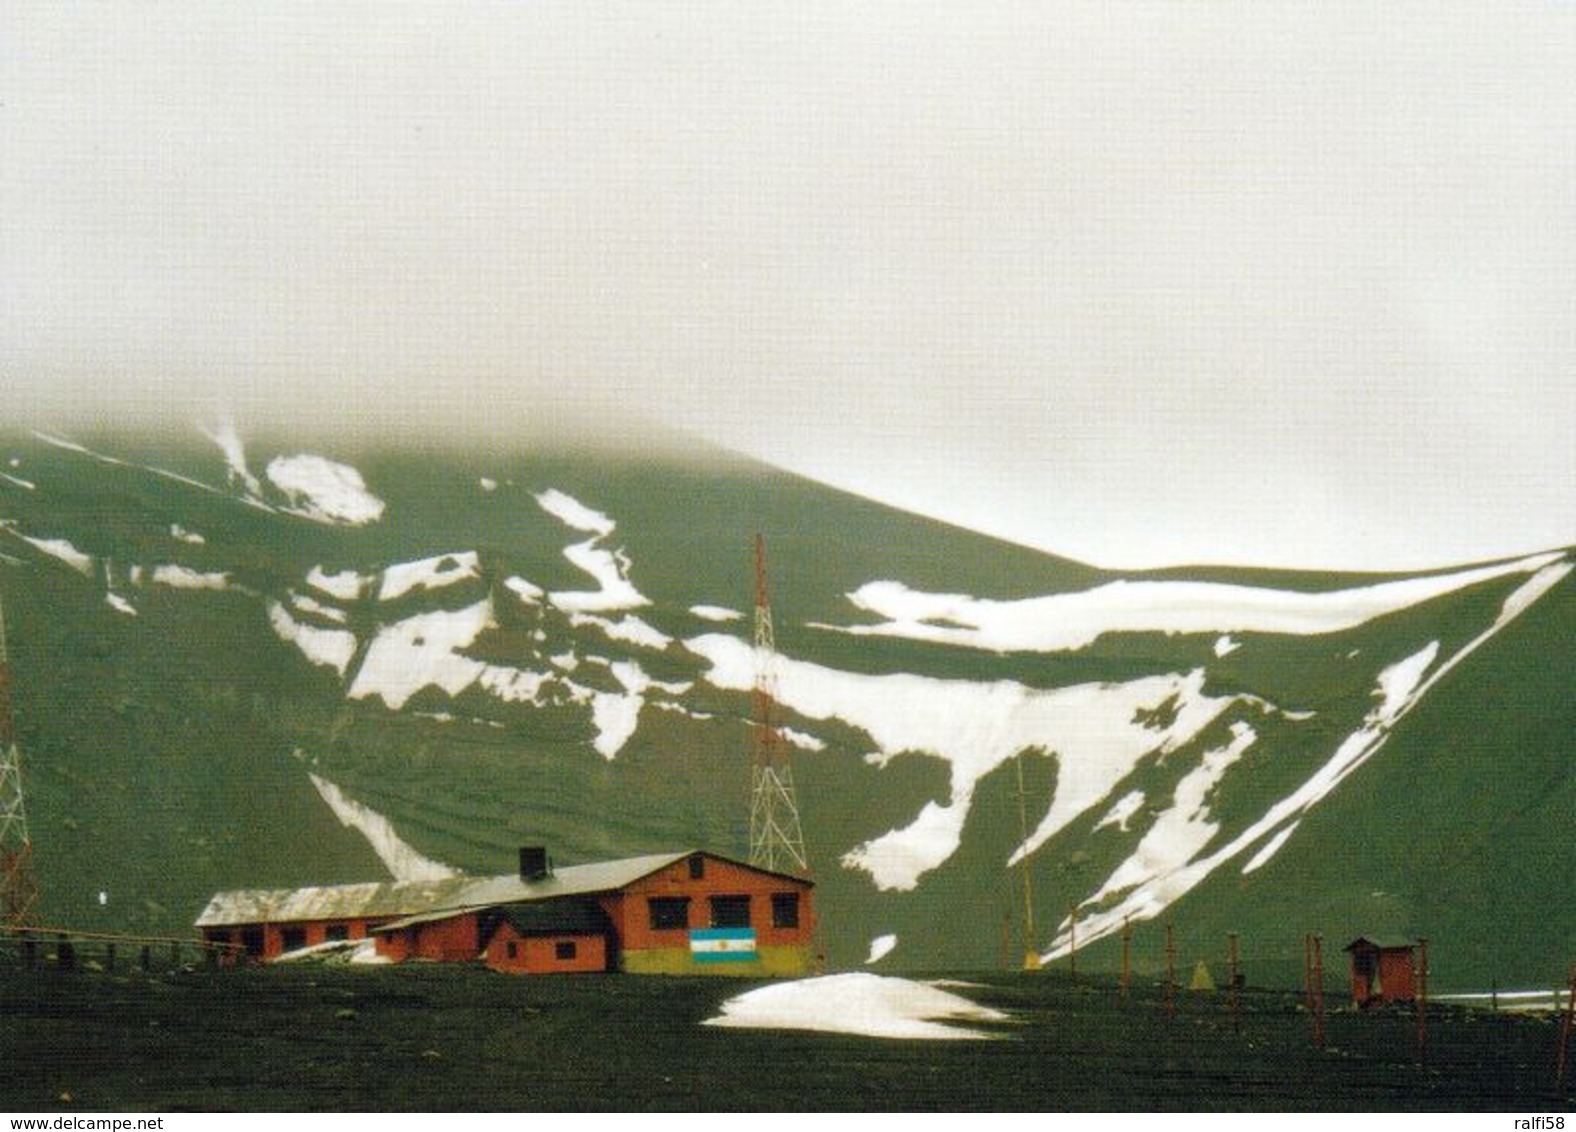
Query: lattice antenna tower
[[18, 886], [776, 839]]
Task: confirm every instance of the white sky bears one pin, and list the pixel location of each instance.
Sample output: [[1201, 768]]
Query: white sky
[[1137, 283]]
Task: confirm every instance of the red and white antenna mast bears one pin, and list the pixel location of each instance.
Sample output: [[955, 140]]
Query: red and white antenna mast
[[776, 839], [18, 886]]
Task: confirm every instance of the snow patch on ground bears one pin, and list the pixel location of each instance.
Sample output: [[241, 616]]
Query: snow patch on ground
[[346, 585], [306, 603], [63, 550], [1226, 645], [1067, 621], [402, 862], [976, 727], [572, 513], [229, 442], [629, 628], [120, 604], [429, 574], [801, 740], [1399, 688], [524, 590], [183, 535], [874, 1006], [422, 650], [1122, 813], [716, 613], [610, 568], [1182, 831], [185, 578], [1271, 847], [333, 648], [881, 947], [324, 491]]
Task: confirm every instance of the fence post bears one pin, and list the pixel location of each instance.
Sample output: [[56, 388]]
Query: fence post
[[109, 957], [1318, 990], [1234, 976], [1566, 1021], [1171, 971], [1422, 1001], [1127, 942]]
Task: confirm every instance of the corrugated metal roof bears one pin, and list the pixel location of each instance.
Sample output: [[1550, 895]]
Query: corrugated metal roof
[[552, 917], [419, 901], [1382, 943]]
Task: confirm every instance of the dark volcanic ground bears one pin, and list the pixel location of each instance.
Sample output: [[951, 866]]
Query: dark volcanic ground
[[453, 1038]]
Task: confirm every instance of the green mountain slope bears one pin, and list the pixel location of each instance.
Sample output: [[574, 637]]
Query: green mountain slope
[[273, 664]]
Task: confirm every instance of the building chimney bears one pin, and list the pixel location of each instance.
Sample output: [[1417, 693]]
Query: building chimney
[[533, 862]]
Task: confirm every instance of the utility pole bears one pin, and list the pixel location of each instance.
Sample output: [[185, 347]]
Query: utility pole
[[1031, 955]]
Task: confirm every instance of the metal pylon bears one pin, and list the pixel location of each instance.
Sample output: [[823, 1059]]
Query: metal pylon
[[776, 837]]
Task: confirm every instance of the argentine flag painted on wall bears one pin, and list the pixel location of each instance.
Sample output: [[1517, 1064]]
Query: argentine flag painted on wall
[[722, 945]]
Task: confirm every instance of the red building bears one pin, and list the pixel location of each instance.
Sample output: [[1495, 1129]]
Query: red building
[[673, 913], [1382, 971]]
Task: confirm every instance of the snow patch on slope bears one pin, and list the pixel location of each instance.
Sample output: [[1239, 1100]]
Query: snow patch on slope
[[610, 568], [402, 862], [422, 650], [1122, 813], [229, 442], [185, 578], [324, 491], [429, 574], [976, 727], [1399, 688], [346, 585], [1183, 830], [881, 947], [334, 648], [1067, 621], [62, 549]]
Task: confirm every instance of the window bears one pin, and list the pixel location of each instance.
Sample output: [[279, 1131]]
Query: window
[[730, 911], [785, 909], [697, 867], [292, 939], [335, 932], [252, 940], [513, 950], [668, 912], [564, 949]]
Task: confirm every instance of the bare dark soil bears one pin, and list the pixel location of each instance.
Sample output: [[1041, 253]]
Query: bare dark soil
[[454, 1038]]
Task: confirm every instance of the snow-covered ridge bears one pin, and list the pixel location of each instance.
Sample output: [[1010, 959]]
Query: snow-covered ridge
[[1061, 622]]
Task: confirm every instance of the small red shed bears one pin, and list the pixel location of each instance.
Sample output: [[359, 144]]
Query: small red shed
[[1382, 970]]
